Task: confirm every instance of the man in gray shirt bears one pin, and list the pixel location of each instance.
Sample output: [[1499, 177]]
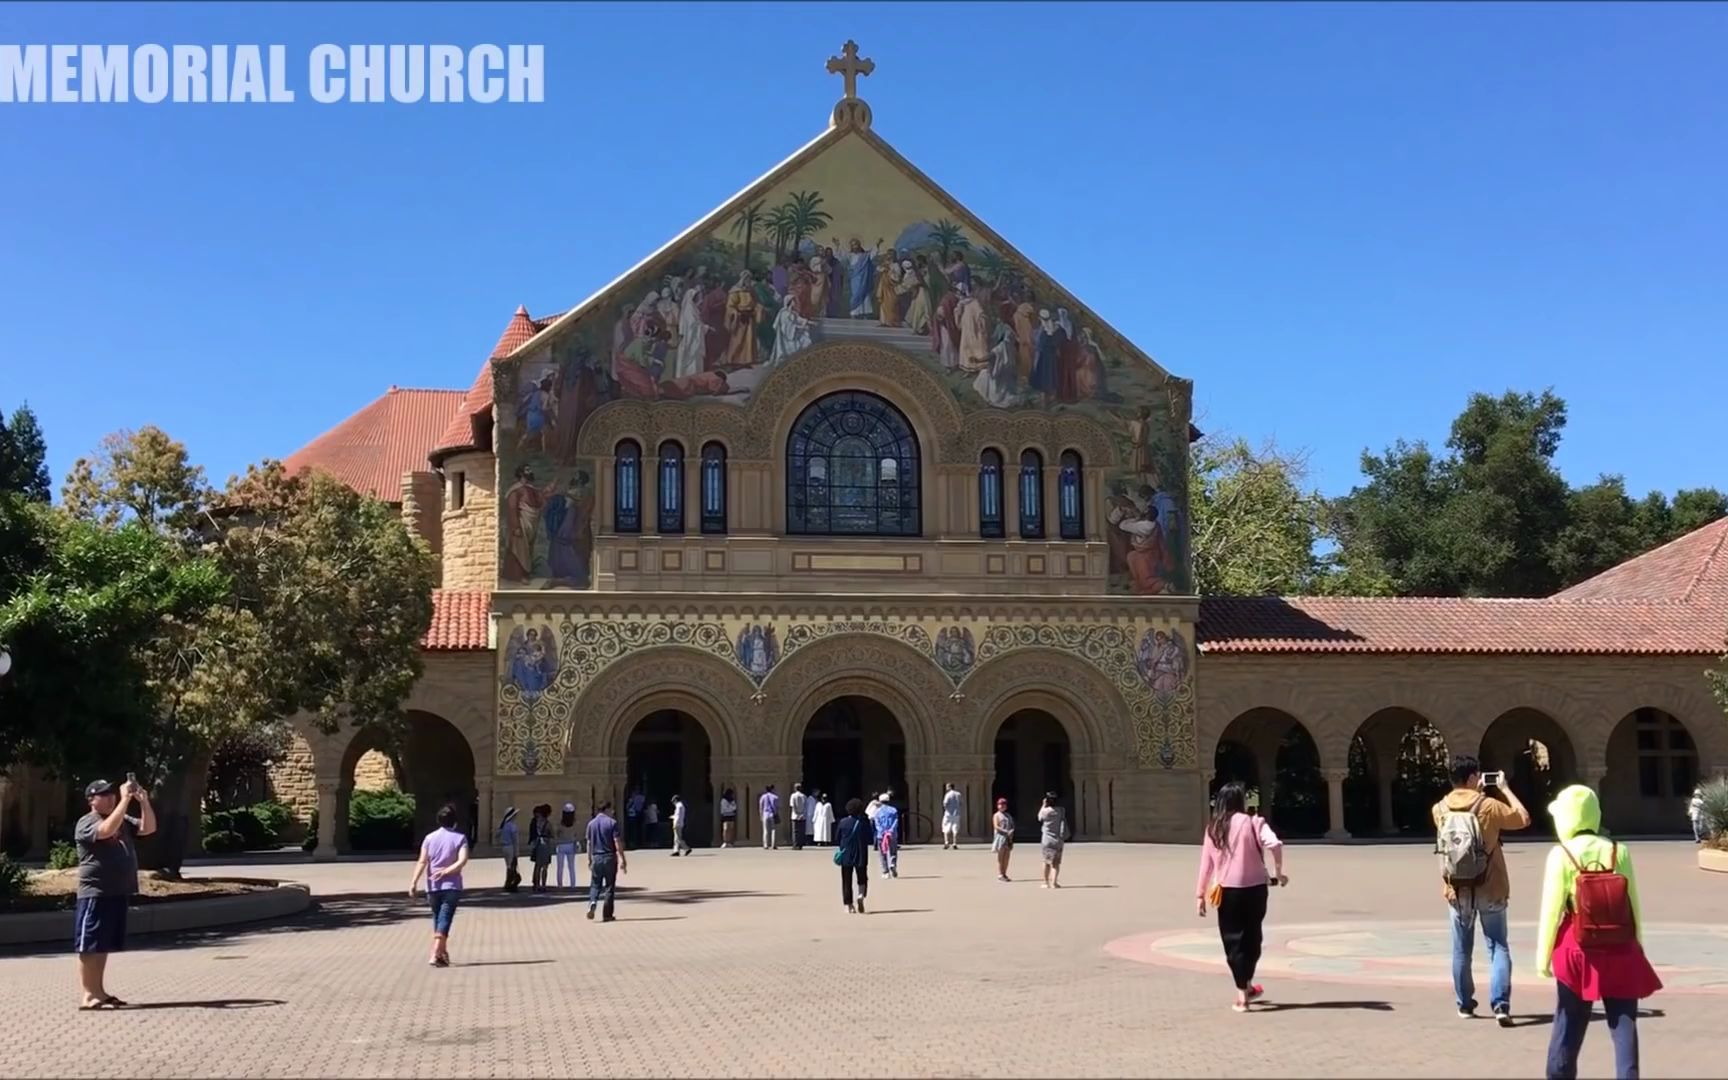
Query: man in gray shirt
[[107, 881]]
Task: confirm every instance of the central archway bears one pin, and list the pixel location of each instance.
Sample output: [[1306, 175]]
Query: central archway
[[667, 754], [853, 747], [1033, 757]]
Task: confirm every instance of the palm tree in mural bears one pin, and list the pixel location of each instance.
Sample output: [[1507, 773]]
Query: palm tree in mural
[[745, 223], [947, 236], [807, 217], [779, 226], [999, 271]]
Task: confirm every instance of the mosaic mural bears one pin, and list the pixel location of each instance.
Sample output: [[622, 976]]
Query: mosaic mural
[[847, 248], [547, 664]]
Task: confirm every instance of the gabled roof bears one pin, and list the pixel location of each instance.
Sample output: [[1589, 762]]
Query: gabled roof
[[1672, 600], [469, 427], [459, 621], [371, 450]]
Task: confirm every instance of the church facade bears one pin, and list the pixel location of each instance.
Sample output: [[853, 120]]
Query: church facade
[[838, 488]]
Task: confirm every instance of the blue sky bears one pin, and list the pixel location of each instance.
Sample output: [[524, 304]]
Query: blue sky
[[1339, 220]]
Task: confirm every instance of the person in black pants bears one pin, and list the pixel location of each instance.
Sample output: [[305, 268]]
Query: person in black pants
[[857, 838], [1233, 877]]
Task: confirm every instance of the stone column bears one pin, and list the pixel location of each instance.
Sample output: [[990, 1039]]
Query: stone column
[[1266, 771], [1383, 786], [1335, 804], [329, 813], [485, 835]]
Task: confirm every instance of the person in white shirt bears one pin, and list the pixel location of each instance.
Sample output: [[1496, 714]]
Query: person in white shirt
[[1695, 811], [875, 805], [728, 817], [680, 815], [950, 818], [799, 802], [822, 821]]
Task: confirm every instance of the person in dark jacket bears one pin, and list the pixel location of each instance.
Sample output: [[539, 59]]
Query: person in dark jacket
[[857, 839]]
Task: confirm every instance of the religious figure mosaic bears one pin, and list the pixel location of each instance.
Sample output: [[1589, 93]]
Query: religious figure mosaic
[[955, 651], [757, 650]]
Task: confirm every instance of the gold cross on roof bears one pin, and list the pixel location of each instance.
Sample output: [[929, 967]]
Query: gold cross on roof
[[848, 65]]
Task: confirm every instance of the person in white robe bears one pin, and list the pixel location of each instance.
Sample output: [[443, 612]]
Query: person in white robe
[[950, 818], [822, 821], [791, 333], [999, 383], [692, 336]]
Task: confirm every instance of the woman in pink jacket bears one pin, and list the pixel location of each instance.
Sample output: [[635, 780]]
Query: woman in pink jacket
[[1233, 869]]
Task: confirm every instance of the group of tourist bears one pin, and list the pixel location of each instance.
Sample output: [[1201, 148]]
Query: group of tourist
[[1589, 931]]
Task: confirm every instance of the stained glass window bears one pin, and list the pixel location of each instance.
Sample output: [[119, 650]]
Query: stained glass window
[[852, 469], [627, 480]]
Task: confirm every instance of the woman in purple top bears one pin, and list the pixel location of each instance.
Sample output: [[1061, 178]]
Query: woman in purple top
[[443, 854]]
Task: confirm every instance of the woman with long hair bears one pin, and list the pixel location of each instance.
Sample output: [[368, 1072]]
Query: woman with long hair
[[540, 844], [1233, 877], [565, 834], [1002, 837]]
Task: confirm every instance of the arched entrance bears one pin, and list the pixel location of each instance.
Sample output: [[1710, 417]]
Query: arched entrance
[[395, 780], [1399, 768], [667, 754], [1652, 768], [1536, 756], [1033, 757], [1273, 754], [854, 748]]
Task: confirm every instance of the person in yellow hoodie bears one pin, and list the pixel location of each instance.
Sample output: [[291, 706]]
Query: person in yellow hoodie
[[1618, 976]]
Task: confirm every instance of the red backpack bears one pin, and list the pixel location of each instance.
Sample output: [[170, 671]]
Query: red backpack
[[1601, 903]]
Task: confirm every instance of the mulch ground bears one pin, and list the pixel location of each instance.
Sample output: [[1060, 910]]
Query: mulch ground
[[52, 890]]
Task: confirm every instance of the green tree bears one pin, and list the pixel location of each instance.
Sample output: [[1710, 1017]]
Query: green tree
[[24, 457], [806, 216], [143, 476], [1253, 524], [1395, 525]]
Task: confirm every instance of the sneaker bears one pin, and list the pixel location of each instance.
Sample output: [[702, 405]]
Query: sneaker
[[590, 913], [1256, 992], [860, 907], [1466, 1014], [441, 961], [1503, 1017]]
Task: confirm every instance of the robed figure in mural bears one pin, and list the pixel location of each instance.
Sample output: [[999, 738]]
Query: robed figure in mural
[[1137, 539], [974, 331], [1162, 660], [524, 507], [568, 535], [860, 267], [741, 322], [532, 664]]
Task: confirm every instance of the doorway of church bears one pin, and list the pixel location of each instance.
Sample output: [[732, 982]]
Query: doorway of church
[[1032, 758], [668, 754], [854, 748]]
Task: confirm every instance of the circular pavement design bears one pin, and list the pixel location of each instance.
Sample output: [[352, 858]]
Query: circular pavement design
[[1690, 957]]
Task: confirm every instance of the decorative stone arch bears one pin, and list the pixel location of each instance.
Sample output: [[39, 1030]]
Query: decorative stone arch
[[890, 374], [1481, 710], [1049, 434], [1701, 717], [1077, 694], [1427, 700], [868, 665], [710, 690], [1287, 697], [652, 422]]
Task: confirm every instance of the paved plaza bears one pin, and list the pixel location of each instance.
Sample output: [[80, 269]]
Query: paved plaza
[[743, 963]]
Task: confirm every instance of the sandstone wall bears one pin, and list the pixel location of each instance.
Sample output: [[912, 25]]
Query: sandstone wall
[[423, 507], [470, 532]]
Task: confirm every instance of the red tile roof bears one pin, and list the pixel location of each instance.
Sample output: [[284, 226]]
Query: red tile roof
[[1672, 600], [371, 450], [467, 428], [459, 621]]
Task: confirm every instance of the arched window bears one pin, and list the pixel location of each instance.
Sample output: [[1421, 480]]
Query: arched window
[[671, 488], [713, 488], [852, 469], [1070, 505], [1031, 496], [990, 495], [627, 485]]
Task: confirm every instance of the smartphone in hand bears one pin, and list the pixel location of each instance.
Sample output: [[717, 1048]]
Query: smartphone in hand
[[1492, 779]]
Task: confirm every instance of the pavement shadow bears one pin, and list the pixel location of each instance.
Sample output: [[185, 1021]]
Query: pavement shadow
[[1544, 1019], [211, 1003], [502, 963], [1282, 1006], [900, 911]]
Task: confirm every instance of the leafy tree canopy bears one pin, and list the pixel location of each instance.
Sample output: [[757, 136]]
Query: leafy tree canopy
[[24, 457]]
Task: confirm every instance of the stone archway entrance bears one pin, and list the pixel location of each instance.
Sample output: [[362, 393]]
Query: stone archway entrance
[[1033, 757], [428, 760], [668, 753], [853, 748], [1535, 755], [1275, 756], [1399, 767]]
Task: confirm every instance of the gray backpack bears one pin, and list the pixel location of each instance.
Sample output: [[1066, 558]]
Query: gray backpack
[[1463, 853]]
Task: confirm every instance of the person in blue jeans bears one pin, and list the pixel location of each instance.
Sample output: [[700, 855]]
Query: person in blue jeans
[[888, 835], [1485, 895], [605, 860], [443, 854]]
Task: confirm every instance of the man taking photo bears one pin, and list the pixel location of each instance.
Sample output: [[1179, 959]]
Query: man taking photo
[[107, 881], [1473, 877]]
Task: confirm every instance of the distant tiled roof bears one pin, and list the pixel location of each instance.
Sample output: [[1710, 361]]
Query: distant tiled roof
[[459, 621], [371, 450], [465, 429], [1672, 600]]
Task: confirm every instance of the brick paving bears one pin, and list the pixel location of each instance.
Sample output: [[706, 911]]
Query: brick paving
[[742, 963]]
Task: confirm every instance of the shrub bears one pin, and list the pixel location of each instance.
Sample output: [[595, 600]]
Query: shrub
[[14, 879], [223, 843], [311, 840], [244, 822], [62, 855], [274, 817], [381, 820], [1715, 808]]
